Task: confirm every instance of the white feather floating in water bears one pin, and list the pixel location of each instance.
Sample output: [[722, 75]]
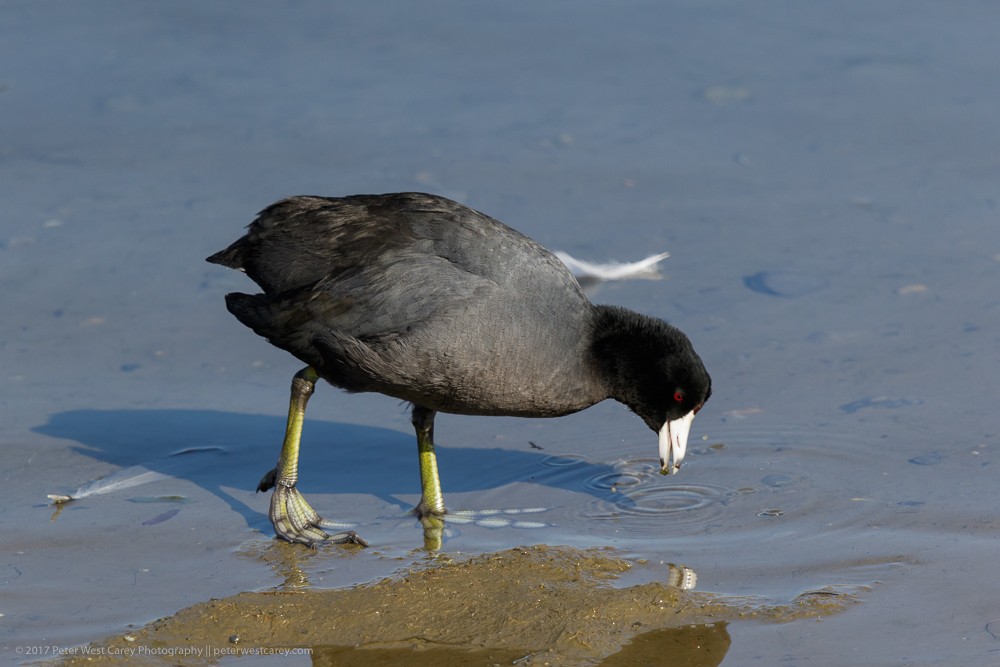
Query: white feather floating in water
[[123, 479], [132, 476], [643, 269]]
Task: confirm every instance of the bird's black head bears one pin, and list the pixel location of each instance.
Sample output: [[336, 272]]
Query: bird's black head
[[672, 386], [652, 368]]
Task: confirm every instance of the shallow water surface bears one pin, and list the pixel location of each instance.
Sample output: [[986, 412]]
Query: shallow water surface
[[824, 178]]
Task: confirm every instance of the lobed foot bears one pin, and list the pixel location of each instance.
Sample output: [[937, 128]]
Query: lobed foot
[[294, 520]]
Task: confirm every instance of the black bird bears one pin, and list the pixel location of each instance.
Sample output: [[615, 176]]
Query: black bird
[[421, 298]]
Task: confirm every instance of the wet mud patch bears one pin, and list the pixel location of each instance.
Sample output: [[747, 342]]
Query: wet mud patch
[[527, 606]]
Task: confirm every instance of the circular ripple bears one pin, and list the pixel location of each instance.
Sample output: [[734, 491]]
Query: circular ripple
[[741, 482], [563, 461], [650, 501], [634, 494], [613, 481], [678, 502]]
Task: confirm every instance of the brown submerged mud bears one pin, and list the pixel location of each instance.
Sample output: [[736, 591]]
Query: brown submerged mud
[[526, 606]]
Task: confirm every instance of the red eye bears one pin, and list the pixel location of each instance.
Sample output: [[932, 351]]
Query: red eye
[[679, 396]]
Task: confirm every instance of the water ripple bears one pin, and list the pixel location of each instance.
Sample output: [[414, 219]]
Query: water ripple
[[783, 482]]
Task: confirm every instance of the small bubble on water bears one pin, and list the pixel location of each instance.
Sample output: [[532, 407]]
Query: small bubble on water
[[770, 512]]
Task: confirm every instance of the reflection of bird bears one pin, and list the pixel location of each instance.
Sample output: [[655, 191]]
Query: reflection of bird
[[418, 297]]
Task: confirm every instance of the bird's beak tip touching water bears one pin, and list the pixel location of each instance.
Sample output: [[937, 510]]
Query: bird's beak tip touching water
[[673, 443]]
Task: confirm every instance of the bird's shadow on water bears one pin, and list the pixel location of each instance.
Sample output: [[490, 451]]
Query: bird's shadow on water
[[234, 450]]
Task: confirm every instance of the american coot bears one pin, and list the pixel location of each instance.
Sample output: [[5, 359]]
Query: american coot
[[421, 298]]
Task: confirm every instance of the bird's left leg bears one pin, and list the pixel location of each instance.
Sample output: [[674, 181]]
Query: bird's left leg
[[293, 518]]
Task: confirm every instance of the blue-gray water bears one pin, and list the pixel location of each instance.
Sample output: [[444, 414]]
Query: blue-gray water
[[825, 175]]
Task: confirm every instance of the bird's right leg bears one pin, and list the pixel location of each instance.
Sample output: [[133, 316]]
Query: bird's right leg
[[430, 509], [431, 497], [293, 518]]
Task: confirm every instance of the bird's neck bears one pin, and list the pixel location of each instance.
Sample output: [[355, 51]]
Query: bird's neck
[[616, 348]]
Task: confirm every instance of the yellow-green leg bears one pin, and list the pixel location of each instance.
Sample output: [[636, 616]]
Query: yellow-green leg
[[431, 499], [293, 518], [431, 507]]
